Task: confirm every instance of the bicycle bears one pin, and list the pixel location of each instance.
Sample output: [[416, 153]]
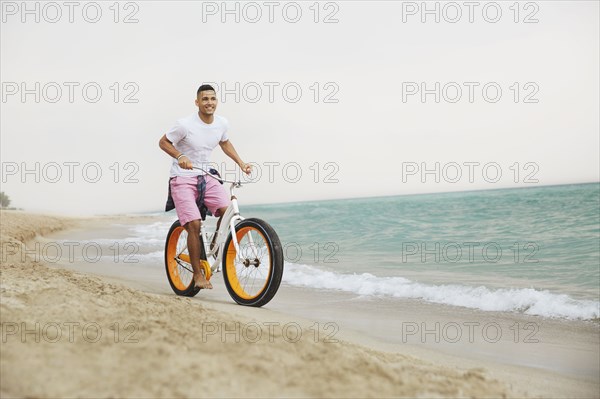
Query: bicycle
[[251, 256]]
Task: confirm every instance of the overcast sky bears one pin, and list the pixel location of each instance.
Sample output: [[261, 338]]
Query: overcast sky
[[330, 100]]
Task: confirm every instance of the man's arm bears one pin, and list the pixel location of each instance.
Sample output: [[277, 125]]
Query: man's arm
[[168, 147], [230, 151]]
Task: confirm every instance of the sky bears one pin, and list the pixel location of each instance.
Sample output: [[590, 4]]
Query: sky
[[328, 100]]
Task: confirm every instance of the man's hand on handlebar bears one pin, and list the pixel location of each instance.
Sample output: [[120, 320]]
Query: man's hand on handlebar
[[246, 168], [185, 163]]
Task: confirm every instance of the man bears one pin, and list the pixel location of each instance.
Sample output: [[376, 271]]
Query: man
[[190, 143]]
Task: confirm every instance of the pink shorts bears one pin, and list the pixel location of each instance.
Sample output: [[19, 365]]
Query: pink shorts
[[184, 191]]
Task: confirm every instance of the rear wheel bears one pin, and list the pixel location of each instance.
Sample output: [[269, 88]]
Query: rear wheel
[[253, 276], [177, 261]]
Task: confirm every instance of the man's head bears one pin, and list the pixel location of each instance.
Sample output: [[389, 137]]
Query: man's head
[[206, 100]]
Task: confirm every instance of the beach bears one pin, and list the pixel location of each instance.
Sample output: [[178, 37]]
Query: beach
[[426, 174], [105, 329]]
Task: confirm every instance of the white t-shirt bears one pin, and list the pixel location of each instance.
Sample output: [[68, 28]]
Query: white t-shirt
[[196, 140]]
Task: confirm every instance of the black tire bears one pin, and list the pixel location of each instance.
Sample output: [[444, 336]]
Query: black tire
[[255, 282], [179, 273]]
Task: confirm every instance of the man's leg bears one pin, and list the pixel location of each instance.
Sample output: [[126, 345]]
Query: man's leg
[[193, 241], [184, 192]]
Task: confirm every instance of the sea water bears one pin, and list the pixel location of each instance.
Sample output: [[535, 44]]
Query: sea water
[[531, 250]]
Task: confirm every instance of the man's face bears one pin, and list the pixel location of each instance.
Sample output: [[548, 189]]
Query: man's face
[[207, 102]]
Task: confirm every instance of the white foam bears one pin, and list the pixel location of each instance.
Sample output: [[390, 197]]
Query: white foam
[[524, 300], [156, 257], [154, 233]]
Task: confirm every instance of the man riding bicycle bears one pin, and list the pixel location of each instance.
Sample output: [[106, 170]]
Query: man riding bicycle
[[190, 143]]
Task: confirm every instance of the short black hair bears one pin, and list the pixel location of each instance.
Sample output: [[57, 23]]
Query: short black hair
[[204, 88]]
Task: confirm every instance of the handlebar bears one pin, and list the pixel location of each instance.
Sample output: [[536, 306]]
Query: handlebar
[[235, 183]]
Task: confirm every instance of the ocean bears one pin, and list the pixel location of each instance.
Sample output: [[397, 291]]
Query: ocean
[[529, 250]]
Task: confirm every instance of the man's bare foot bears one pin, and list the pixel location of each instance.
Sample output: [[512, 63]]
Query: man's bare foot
[[201, 282]]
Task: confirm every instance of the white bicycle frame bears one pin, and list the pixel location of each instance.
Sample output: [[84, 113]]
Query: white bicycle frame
[[228, 222]]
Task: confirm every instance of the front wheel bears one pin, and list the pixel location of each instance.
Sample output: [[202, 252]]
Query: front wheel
[[253, 275]]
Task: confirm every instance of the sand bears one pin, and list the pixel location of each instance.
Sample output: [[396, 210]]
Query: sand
[[69, 333]]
